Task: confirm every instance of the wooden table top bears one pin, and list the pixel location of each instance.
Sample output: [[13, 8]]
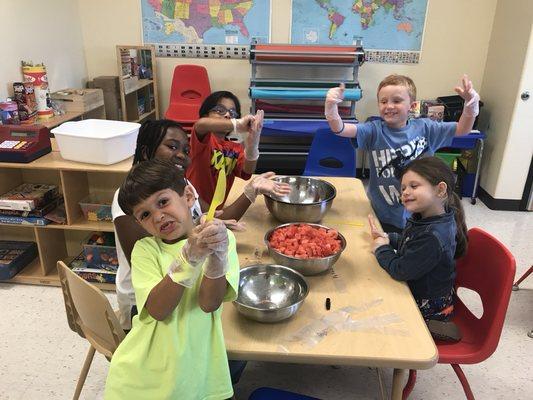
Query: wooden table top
[[358, 281]]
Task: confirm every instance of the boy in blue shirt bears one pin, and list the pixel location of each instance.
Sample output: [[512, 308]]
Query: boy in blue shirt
[[394, 140]]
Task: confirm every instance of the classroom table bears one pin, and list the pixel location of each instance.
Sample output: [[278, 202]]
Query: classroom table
[[357, 280]]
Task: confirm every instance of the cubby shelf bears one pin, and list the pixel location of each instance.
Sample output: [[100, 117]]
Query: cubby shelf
[[54, 241]]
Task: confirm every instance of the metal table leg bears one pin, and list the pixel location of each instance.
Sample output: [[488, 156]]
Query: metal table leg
[[397, 383], [478, 169]]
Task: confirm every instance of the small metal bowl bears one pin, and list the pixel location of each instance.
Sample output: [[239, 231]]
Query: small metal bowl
[[309, 199], [270, 293], [305, 266]]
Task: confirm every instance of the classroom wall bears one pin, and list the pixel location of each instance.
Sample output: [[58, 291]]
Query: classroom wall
[[41, 31], [454, 43], [509, 144]]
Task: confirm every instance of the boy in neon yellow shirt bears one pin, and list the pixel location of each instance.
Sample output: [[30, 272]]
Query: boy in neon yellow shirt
[[181, 275]]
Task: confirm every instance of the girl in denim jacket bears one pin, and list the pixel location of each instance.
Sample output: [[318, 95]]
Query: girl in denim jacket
[[436, 234]]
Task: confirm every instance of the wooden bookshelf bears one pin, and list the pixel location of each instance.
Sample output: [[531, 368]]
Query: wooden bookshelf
[[54, 241]]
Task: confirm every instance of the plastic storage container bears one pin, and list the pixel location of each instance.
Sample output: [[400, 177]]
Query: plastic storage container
[[97, 207], [100, 251], [449, 158], [97, 141]]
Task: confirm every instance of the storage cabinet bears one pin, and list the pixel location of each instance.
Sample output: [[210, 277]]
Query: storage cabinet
[[137, 83], [59, 242]]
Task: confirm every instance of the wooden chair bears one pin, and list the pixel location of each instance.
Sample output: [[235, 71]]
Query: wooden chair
[[90, 315]]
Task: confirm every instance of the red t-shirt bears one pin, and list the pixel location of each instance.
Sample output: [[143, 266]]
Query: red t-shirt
[[207, 156]]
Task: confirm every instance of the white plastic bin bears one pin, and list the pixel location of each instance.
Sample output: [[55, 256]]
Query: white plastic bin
[[97, 141]]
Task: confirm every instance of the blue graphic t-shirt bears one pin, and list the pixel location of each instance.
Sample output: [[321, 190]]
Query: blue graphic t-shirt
[[385, 144]]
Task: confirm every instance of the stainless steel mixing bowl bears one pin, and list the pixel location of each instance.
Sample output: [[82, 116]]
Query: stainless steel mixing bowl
[[270, 293], [309, 199], [305, 266]]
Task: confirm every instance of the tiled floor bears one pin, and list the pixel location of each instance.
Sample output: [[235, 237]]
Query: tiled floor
[[40, 357]]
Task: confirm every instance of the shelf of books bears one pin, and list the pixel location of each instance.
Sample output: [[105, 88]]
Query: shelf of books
[[52, 209]]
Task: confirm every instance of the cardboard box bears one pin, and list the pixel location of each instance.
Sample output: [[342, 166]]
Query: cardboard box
[[130, 84], [109, 84], [79, 100]]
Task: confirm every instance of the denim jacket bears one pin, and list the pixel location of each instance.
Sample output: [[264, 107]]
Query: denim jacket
[[423, 255]]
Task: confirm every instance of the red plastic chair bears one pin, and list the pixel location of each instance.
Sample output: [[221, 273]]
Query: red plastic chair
[[190, 87], [488, 269]]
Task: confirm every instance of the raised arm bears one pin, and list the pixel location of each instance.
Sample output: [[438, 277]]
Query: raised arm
[[221, 125], [470, 109], [331, 111], [251, 143]]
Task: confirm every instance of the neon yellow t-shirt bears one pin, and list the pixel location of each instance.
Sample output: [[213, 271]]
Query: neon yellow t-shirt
[[182, 357]]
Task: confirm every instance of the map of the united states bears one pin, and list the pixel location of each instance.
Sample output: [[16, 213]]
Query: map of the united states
[[193, 20]]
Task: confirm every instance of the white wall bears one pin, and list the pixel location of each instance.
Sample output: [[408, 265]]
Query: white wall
[[510, 142], [454, 43], [41, 31]]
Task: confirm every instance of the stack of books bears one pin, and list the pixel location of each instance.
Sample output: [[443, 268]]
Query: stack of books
[[28, 204]]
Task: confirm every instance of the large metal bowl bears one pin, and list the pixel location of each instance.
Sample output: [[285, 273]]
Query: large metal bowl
[[305, 266], [309, 199], [270, 293]]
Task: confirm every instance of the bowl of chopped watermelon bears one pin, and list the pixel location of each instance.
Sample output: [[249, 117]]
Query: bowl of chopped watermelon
[[308, 248], [308, 201]]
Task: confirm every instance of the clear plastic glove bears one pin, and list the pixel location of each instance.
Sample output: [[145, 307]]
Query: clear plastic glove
[[231, 224], [217, 264], [215, 237], [333, 98], [234, 225], [251, 143], [195, 251], [380, 238], [470, 96], [263, 184], [183, 273], [241, 127]]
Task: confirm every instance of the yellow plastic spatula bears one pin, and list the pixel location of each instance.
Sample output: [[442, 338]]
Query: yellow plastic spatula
[[220, 193]]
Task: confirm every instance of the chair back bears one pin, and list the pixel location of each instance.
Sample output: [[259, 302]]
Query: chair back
[[488, 268], [89, 311], [330, 155], [190, 87]]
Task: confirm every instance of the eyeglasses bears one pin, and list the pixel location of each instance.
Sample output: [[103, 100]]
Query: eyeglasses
[[399, 163], [221, 110]]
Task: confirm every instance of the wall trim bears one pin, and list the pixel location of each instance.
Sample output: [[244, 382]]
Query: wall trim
[[498, 204]]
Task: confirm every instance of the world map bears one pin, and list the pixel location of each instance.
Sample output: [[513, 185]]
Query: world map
[[381, 24], [205, 21]]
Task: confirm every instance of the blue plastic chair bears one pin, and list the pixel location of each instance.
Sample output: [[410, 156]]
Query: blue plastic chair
[[265, 393], [330, 155]]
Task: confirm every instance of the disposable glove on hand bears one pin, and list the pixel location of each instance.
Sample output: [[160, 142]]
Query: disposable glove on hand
[[263, 184], [240, 128], [217, 265], [470, 96], [195, 251], [333, 98], [183, 273], [251, 143], [215, 237]]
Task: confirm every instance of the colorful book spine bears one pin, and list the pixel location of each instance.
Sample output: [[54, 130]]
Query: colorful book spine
[[9, 219]]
